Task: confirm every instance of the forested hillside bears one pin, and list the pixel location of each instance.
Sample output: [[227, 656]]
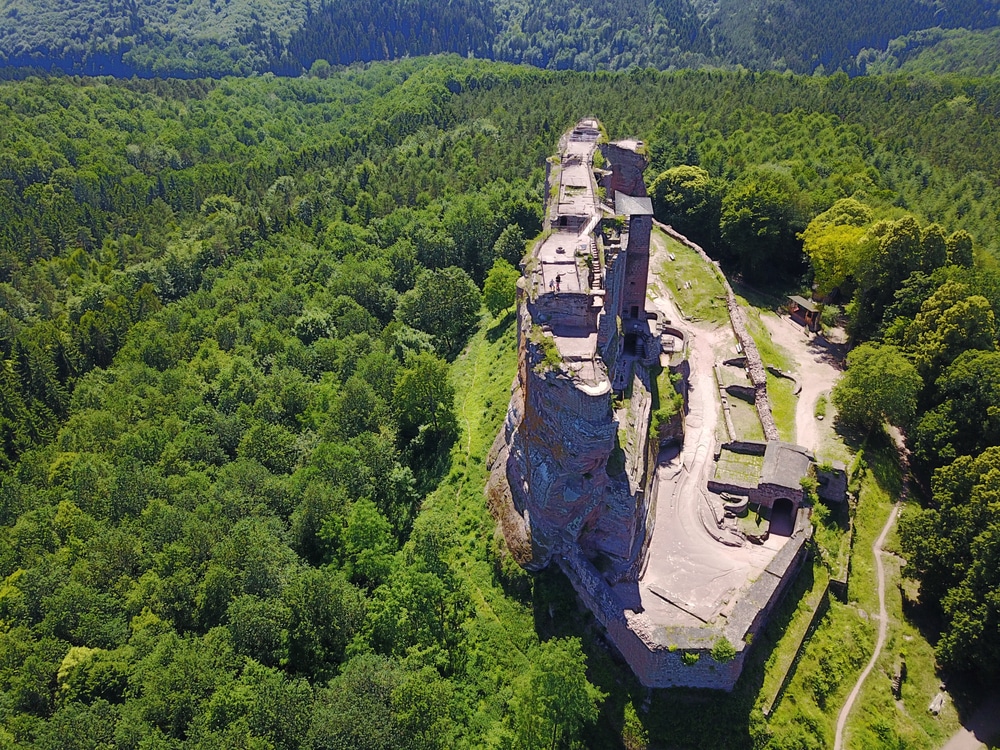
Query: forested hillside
[[970, 53], [219, 37], [242, 456]]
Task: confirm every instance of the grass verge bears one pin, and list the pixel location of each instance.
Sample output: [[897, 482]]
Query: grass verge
[[745, 420], [738, 468], [770, 353], [878, 720], [781, 393], [841, 645], [693, 284]]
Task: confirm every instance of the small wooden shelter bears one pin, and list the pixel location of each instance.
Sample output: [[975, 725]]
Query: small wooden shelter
[[805, 312]]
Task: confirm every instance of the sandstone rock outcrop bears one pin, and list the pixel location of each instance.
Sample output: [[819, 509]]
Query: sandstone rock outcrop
[[571, 466]]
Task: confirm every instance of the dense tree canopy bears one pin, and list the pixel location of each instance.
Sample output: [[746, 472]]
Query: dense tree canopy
[[953, 547], [205, 37], [229, 313]]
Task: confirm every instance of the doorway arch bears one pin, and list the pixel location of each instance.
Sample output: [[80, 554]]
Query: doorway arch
[[782, 517]]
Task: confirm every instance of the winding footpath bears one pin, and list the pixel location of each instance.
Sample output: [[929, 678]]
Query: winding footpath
[[883, 626]]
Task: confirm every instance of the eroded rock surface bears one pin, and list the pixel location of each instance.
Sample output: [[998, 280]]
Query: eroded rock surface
[[572, 464]]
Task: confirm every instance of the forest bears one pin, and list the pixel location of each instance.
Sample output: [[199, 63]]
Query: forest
[[255, 341], [287, 37]]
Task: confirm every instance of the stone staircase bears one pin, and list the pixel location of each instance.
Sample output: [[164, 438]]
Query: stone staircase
[[596, 277]]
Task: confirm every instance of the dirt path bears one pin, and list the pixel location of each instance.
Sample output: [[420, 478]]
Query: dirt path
[[982, 727], [818, 368], [883, 627]]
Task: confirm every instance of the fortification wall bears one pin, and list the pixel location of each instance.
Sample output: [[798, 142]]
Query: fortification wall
[[567, 309], [755, 367], [655, 662], [637, 267], [551, 486], [559, 435], [608, 340]]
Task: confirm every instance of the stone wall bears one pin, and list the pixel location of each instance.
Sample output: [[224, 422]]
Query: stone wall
[[608, 340], [564, 309], [766, 494], [655, 662], [637, 267], [742, 392], [755, 367], [559, 435], [731, 487], [747, 447]]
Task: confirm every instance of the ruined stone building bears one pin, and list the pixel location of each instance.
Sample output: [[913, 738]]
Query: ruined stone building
[[578, 479]]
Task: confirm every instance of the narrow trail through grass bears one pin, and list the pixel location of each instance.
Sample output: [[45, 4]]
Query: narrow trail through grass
[[883, 627]]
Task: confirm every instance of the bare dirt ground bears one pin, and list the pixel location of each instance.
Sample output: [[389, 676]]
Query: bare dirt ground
[[690, 575], [981, 727], [818, 366]]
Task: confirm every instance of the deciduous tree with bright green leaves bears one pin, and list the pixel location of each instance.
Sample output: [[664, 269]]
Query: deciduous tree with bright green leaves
[[762, 216], [499, 290], [955, 549], [444, 303], [833, 243], [423, 395], [553, 702], [880, 386], [687, 198]]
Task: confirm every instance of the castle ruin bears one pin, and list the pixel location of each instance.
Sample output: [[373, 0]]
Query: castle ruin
[[580, 474]]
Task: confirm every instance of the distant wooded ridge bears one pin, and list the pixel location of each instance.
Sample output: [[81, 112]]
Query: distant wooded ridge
[[169, 38]]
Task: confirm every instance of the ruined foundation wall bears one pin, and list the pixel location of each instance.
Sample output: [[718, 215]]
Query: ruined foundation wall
[[563, 309], [755, 366], [654, 663]]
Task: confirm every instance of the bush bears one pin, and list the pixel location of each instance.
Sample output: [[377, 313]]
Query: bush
[[723, 651]]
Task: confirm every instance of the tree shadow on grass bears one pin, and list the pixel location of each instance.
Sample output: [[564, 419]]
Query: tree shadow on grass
[[769, 298], [882, 459], [675, 717], [501, 326]]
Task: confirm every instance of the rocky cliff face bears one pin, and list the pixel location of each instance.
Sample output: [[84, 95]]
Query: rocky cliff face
[[558, 471], [571, 469]]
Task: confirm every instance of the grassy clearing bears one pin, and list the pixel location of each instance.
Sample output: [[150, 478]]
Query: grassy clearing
[[770, 352], [745, 420], [755, 520], [693, 284], [739, 468], [819, 410], [841, 644], [781, 392], [831, 446], [787, 649], [504, 623], [878, 720], [825, 673]]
